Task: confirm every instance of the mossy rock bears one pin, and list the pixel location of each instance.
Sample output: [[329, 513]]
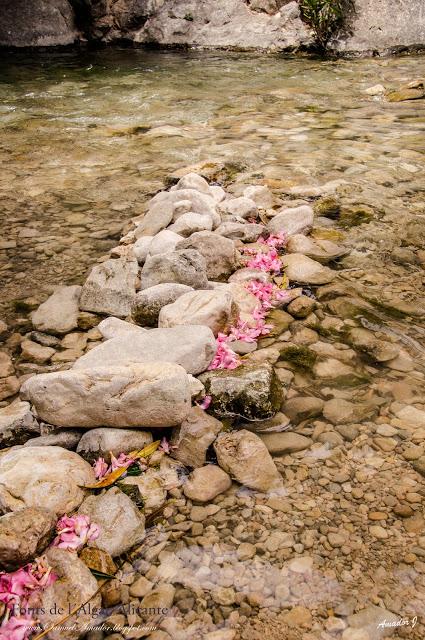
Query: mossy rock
[[281, 320], [299, 356], [252, 392], [322, 233], [327, 206], [355, 215]]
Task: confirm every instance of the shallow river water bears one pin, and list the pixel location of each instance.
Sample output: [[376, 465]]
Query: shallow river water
[[86, 138]]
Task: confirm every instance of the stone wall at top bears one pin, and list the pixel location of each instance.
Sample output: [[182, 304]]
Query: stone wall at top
[[383, 26], [376, 26], [36, 23]]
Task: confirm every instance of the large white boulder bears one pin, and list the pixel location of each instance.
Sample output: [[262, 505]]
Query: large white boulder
[[49, 477], [149, 302], [192, 347], [155, 394]]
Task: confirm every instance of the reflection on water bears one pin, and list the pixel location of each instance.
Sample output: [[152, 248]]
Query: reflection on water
[[84, 136]]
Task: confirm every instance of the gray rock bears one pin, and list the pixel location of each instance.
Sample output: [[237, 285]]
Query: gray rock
[[244, 456], [17, 424], [76, 584], [375, 27], [38, 23], [67, 439], [212, 308], [154, 394], [252, 392], [50, 477], [184, 266], [59, 313], [190, 223], [240, 231], [193, 437], [242, 207], [288, 442], [292, 221], [226, 23], [24, 534], [219, 253], [191, 346], [205, 483], [141, 248], [115, 328], [261, 195], [194, 181], [110, 288], [102, 442], [122, 525], [149, 302], [157, 218], [304, 270]]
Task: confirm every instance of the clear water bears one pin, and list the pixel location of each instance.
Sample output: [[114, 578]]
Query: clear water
[[81, 147]]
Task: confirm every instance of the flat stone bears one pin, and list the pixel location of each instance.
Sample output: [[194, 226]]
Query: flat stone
[[114, 328], [121, 524], [155, 394], [110, 288], [191, 346], [303, 407], [100, 443], [59, 313], [67, 439], [244, 456], [33, 352], [241, 231], [205, 483], [304, 270], [322, 251], [286, 442]]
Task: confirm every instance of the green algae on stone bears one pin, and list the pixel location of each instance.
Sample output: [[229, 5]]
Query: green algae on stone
[[356, 214], [252, 392], [299, 356], [327, 206], [280, 321]]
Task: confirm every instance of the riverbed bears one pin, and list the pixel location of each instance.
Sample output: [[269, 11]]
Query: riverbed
[[86, 136]]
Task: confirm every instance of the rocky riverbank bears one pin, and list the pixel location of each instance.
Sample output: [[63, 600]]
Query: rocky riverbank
[[264, 25], [286, 499]]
